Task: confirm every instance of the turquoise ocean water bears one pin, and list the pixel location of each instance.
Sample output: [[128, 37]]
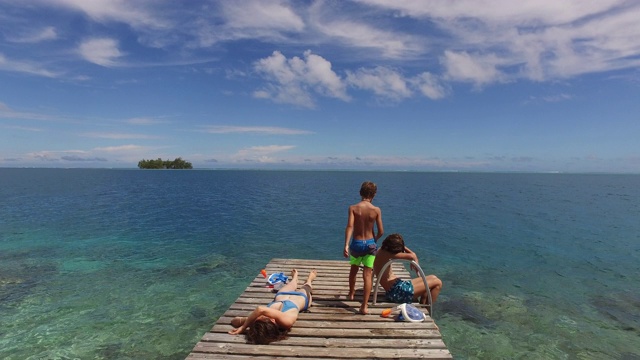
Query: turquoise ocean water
[[132, 264]]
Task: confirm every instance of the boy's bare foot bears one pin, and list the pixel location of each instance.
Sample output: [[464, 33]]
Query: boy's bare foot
[[364, 309], [352, 295]]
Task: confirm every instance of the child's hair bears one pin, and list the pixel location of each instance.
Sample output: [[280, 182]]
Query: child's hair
[[263, 331], [393, 243], [368, 190]]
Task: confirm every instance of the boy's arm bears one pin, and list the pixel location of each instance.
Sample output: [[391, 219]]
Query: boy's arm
[[406, 255], [348, 233], [379, 226]]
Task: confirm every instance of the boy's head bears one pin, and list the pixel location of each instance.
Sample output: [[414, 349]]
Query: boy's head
[[368, 190], [393, 243]]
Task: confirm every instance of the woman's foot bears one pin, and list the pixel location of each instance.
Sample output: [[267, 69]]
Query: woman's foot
[[312, 276], [352, 295], [294, 276]]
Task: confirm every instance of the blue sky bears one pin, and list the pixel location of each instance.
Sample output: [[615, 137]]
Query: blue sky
[[443, 85]]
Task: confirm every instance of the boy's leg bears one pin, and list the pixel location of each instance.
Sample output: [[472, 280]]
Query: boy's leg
[[367, 277], [435, 285], [293, 284], [353, 272], [419, 290]]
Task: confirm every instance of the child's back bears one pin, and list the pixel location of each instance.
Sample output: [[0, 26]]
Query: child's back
[[360, 241]]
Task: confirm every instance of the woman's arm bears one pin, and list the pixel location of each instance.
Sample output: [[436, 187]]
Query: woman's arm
[[259, 311], [284, 320]]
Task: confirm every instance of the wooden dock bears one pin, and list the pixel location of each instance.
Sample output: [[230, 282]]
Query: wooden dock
[[331, 329]]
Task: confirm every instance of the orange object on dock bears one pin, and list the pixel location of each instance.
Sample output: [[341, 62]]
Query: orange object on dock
[[385, 312], [264, 273]]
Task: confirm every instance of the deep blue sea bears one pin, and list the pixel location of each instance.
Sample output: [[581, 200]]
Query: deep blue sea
[[139, 264]]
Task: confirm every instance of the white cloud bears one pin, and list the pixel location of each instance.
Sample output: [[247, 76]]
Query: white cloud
[[261, 154], [295, 80], [45, 34], [7, 112], [245, 19], [102, 52], [122, 148], [390, 84], [527, 12], [430, 86], [118, 136], [261, 15], [24, 128], [138, 14], [25, 67], [267, 130], [382, 81], [496, 40], [386, 43], [477, 69], [143, 121]]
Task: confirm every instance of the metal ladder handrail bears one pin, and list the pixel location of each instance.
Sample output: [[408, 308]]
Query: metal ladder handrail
[[420, 272]]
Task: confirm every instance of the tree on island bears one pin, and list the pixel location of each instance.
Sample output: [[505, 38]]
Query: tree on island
[[178, 163]]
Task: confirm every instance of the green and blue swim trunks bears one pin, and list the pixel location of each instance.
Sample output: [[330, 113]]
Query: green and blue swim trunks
[[362, 252], [401, 292]]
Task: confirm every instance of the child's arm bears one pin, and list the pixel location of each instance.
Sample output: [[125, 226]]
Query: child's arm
[[348, 232], [379, 226], [406, 255], [414, 257]]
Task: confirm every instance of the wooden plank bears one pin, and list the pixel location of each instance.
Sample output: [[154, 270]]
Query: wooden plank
[[331, 329]]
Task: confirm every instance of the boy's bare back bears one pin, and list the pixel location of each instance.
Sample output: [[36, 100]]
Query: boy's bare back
[[363, 216]]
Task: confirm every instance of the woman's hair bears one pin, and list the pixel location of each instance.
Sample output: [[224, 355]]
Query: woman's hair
[[368, 190], [263, 331], [393, 243]]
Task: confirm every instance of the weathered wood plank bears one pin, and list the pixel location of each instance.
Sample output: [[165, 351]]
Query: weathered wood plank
[[334, 342], [332, 329]]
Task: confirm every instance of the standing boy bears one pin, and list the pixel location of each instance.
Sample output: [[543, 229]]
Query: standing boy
[[362, 248]]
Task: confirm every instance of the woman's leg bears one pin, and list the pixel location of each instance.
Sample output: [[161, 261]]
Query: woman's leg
[[307, 284], [293, 284]]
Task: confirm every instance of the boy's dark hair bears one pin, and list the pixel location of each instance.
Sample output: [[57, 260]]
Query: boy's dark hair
[[263, 331], [368, 190], [393, 243]]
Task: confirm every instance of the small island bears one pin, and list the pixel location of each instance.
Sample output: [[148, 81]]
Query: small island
[[178, 163]]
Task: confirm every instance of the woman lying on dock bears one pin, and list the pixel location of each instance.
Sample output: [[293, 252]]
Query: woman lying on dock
[[272, 322]]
